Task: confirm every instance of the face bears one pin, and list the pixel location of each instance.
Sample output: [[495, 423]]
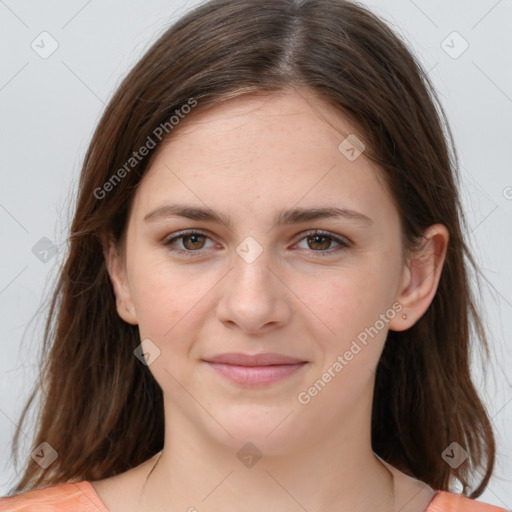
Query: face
[[266, 273]]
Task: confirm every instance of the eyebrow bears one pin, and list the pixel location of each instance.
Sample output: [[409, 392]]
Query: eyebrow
[[290, 216]]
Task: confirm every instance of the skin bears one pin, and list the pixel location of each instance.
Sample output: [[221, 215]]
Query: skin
[[248, 158]]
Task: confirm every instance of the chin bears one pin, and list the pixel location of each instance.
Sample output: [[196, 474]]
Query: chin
[[262, 427]]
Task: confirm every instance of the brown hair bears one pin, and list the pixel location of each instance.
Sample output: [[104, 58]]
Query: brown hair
[[100, 401]]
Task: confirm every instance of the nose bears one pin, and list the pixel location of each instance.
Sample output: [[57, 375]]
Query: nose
[[253, 296]]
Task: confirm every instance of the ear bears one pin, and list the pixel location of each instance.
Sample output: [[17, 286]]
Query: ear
[[116, 268], [420, 277]]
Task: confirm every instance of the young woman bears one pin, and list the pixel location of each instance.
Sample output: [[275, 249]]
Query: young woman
[[266, 301]]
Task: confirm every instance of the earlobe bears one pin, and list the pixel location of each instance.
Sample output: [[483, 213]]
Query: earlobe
[[117, 272], [420, 277]]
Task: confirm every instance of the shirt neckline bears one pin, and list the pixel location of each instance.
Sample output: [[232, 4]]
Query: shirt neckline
[[88, 489], [90, 493]]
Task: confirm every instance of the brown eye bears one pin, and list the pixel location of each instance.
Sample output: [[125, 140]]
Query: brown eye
[[187, 243], [196, 241], [320, 242]]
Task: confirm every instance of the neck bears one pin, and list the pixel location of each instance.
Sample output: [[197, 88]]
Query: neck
[[331, 473]]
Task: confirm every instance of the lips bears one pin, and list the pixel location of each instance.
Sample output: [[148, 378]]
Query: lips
[[255, 370], [264, 359]]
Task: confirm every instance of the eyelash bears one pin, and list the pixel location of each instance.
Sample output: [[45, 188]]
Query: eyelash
[[168, 242]]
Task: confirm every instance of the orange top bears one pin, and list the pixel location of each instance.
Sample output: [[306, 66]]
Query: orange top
[[81, 497], [70, 497]]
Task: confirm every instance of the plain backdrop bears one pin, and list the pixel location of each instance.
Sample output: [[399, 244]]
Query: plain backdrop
[[50, 104]]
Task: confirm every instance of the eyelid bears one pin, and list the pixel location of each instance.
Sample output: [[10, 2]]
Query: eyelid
[[343, 242]]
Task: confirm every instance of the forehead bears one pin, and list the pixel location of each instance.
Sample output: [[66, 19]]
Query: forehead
[[279, 149]]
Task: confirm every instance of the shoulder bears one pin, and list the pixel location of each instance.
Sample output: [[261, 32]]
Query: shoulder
[[450, 502], [413, 495], [76, 496]]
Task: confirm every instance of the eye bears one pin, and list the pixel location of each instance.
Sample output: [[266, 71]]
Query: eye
[[319, 241], [193, 241]]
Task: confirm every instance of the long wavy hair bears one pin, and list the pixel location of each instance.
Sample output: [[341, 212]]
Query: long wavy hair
[[101, 409]]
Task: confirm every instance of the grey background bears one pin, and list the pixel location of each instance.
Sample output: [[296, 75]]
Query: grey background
[[49, 108]]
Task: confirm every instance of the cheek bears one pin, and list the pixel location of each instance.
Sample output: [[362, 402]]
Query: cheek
[[347, 357], [164, 299], [350, 304]]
